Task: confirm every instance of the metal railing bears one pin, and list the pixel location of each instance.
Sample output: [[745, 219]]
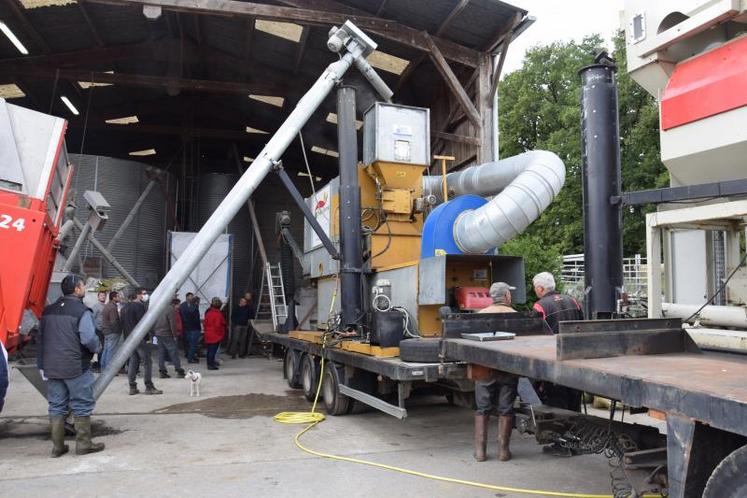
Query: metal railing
[[634, 281]]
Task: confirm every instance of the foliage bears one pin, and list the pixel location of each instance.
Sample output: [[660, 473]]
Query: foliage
[[539, 109], [538, 257]]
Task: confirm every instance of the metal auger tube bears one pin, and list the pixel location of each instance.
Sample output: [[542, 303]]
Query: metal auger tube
[[227, 209]]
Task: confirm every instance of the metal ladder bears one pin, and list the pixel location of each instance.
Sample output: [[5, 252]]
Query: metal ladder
[[272, 296]]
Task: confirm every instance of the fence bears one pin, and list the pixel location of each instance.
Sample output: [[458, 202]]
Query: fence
[[634, 280]]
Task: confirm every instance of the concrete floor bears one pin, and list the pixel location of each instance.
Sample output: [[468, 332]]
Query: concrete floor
[[226, 444]]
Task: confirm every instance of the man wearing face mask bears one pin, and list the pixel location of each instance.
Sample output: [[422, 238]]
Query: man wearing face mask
[[131, 315], [67, 341]]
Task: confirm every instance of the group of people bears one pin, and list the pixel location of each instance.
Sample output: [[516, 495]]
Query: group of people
[[496, 391], [70, 334]]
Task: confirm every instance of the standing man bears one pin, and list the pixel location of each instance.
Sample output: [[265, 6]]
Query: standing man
[[67, 342], [215, 331], [165, 330], [131, 315], [111, 327], [554, 308], [191, 320], [97, 308], [240, 321], [495, 391]]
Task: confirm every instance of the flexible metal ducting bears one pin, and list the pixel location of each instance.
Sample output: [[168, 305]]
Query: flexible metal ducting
[[523, 185]]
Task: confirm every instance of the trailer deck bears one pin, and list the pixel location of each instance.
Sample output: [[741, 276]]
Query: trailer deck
[[709, 387], [393, 368]]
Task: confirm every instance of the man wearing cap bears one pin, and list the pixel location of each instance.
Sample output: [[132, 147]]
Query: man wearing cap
[[495, 391], [67, 341]]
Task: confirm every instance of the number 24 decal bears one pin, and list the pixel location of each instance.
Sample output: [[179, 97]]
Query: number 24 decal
[[7, 222]]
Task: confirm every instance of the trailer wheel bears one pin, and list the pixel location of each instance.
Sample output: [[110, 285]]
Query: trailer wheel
[[309, 376], [729, 479], [335, 402], [290, 368]]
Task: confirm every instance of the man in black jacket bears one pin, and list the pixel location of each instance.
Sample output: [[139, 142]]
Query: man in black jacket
[[67, 341], [190, 313], [131, 315], [554, 308]]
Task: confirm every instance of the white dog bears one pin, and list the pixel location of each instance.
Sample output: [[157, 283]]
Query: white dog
[[194, 379]]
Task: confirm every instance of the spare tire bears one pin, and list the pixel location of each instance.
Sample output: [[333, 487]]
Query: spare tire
[[728, 479], [420, 350]]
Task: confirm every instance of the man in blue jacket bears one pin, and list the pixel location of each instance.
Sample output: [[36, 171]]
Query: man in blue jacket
[[190, 313], [67, 342]]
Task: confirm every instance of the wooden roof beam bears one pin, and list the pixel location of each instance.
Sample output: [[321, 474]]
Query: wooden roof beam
[[301, 49], [453, 83], [87, 56], [142, 80], [390, 30], [94, 32], [458, 8], [17, 9]]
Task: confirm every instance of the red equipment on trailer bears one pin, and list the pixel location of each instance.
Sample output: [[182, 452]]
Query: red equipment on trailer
[[35, 178]]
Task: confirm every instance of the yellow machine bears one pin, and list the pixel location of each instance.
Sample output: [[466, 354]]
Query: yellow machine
[[396, 155]]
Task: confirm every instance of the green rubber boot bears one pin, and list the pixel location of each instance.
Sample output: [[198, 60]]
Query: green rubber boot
[[83, 443], [57, 430]]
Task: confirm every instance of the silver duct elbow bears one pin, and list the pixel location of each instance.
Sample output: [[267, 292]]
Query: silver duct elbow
[[524, 186]]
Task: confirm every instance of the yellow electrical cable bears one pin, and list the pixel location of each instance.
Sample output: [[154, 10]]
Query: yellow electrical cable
[[313, 418]]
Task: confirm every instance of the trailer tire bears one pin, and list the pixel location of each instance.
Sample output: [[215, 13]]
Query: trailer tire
[[335, 402], [728, 479], [291, 372], [420, 350], [309, 376]]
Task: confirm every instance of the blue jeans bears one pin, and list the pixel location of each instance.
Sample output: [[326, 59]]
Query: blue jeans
[[167, 347], [74, 394], [193, 339], [141, 354], [111, 343], [211, 350]]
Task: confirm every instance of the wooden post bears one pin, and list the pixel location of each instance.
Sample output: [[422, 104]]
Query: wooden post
[[443, 160], [485, 103]]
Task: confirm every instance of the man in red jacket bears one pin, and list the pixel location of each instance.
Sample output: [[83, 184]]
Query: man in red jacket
[[214, 326]]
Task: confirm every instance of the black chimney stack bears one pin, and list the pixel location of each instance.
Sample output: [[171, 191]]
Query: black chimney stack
[[600, 141], [350, 210]]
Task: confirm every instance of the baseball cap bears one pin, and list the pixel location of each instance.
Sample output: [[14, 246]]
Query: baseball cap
[[499, 289]]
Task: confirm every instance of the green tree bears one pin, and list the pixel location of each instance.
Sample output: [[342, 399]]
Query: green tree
[[537, 258], [540, 109]]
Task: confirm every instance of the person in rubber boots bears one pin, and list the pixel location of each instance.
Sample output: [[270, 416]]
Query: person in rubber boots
[[495, 391], [67, 341]]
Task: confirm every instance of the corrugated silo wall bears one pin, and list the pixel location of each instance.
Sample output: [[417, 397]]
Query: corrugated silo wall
[[142, 247]]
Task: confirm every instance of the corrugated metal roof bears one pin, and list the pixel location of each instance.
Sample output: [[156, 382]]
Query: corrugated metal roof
[[213, 48]]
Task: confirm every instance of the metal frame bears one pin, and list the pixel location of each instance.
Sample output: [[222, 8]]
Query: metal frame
[[711, 216]]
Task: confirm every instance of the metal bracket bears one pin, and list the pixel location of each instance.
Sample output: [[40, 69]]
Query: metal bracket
[[373, 402], [296, 195]]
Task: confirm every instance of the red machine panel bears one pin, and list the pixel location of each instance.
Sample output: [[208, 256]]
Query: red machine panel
[[472, 298], [36, 179], [706, 85]]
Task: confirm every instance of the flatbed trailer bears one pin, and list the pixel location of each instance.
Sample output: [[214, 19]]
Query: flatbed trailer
[[352, 377], [703, 394]]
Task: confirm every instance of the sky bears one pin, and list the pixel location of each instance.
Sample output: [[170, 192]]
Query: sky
[[562, 20]]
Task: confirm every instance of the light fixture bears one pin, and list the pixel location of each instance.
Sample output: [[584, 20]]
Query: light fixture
[[69, 105], [249, 129], [13, 38], [248, 159]]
